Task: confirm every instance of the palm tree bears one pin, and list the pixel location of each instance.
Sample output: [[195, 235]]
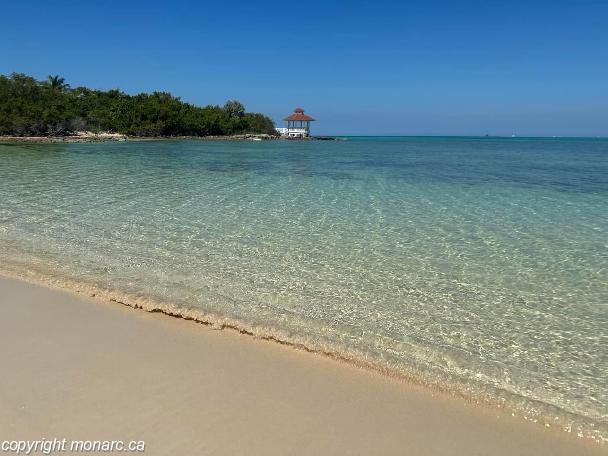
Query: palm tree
[[57, 83]]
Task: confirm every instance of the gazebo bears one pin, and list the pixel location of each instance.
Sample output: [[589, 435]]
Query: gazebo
[[298, 124]]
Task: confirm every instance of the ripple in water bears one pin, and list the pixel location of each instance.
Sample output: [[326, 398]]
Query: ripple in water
[[479, 266]]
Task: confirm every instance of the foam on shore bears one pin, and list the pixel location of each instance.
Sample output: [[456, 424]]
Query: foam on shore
[[86, 370], [530, 410]]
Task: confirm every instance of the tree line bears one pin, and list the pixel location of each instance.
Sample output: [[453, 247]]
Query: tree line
[[50, 108]]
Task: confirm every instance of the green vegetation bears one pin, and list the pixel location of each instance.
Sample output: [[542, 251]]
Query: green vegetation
[[49, 108]]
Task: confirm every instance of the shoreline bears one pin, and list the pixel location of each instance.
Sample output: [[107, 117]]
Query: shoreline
[[526, 413], [313, 392], [83, 139], [118, 137]]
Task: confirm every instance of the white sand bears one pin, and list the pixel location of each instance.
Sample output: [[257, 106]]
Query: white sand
[[79, 368]]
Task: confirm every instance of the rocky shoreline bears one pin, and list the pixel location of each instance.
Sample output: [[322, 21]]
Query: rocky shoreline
[[75, 138], [105, 137]]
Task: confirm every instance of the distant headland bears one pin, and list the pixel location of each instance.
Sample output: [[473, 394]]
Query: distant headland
[[52, 111]]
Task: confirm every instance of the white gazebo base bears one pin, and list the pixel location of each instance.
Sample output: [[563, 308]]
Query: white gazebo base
[[297, 132]]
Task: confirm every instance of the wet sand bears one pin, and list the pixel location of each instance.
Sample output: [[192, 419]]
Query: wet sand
[[80, 368]]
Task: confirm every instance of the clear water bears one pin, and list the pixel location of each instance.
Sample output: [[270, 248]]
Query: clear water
[[478, 265]]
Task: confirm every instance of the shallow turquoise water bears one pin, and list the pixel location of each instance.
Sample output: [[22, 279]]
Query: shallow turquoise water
[[480, 265]]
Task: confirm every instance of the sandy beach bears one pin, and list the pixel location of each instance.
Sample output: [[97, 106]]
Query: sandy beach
[[81, 368]]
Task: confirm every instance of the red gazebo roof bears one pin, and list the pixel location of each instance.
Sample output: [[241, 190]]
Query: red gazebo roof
[[298, 114]]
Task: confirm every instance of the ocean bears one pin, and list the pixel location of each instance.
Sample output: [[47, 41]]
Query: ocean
[[478, 266]]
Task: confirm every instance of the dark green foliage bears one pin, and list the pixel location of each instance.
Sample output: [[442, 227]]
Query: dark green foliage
[[34, 108]]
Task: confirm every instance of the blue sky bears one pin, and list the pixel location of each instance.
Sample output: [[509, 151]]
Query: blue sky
[[359, 67]]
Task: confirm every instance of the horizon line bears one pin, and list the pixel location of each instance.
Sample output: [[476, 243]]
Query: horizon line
[[467, 136]]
